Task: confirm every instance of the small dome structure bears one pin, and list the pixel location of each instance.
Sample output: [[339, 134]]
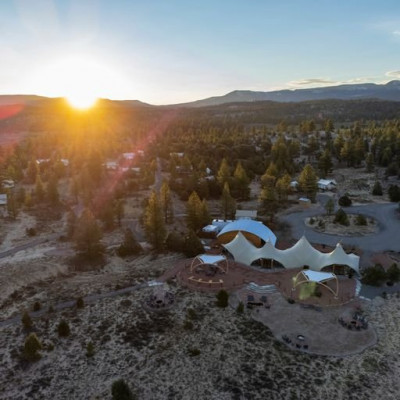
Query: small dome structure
[[254, 231]]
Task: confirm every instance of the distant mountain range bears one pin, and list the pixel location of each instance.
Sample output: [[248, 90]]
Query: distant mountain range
[[389, 91]]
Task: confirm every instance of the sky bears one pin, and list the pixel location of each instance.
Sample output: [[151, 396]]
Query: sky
[[172, 51]]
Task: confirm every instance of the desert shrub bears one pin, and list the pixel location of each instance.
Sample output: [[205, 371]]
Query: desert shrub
[[394, 193], [90, 350], [374, 276], [191, 314], [311, 221], [361, 220], [26, 320], [51, 309], [341, 217], [188, 325], [30, 231], [393, 273], [121, 391], [63, 328], [240, 308], [321, 224], [193, 352], [345, 201], [377, 189], [50, 346], [222, 298], [37, 306], [31, 347], [79, 302]]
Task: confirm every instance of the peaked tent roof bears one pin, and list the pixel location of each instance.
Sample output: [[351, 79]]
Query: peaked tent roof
[[302, 253], [255, 227]]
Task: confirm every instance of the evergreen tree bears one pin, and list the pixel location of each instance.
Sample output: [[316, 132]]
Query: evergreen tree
[[26, 320], [329, 206], [130, 245], [377, 189], [228, 204], [308, 182], [192, 245], [194, 212], [39, 190], [204, 216], [154, 225], [119, 210], [52, 191], [88, 236], [325, 163], [32, 171], [369, 162], [283, 187], [32, 346], [121, 391], [166, 202], [241, 182], [12, 208], [71, 224], [223, 174]]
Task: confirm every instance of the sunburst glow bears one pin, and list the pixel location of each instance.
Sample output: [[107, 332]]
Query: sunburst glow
[[78, 78]]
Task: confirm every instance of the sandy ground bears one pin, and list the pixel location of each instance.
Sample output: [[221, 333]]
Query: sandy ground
[[237, 357]]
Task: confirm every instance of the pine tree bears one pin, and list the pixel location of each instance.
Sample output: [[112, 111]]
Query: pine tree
[[31, 347], [228, 203], [154, 225], [166, 202], [325, 163], [193, 212], [204, 217], [32, 171], [130, 245], [71, 224], [241, 182], [88, 236], [370, 164], [52, 191], [282, 187], [329, 206], [119, 210], [39, 190], [121, 391], [12, 208], [308, 182], [223, 174]]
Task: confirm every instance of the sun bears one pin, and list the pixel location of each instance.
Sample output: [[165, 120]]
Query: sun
[[82, 101], [79, 78]]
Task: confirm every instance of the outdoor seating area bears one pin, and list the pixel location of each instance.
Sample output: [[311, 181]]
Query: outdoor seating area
[[299, 342], [160, 299], [356, 321]]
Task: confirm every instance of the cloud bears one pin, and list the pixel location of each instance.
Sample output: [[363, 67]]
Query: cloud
[[396, 33], [393, 74], [313, 82]]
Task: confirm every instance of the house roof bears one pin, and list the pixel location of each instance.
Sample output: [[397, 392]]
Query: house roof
[[254, 227], [326, 182], [246, 213]]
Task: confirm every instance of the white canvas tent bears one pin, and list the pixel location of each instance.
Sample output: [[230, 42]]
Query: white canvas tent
[[301, 254], [321, 278], [219, 261]]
